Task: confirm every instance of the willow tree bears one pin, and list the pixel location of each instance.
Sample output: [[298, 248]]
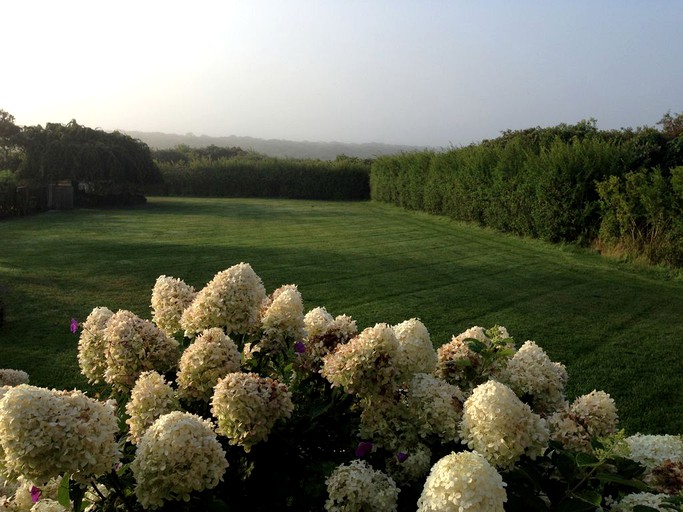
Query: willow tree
[[95, 161]]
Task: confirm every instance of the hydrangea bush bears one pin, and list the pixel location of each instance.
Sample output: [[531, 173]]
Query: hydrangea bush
[[232, 399]]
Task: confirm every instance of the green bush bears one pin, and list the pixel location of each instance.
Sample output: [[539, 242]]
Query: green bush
[[642, 214]]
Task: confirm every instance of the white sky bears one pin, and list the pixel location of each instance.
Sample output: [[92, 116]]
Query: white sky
[[414, 72]]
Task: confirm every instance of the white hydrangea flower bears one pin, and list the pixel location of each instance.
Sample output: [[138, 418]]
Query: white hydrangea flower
[[591, 415], [22, 500], [10, 377], [316, 322], [48, 505], [364, 365], [597, 412], [323, 335], [170, 297], [150, 398], [662, 456], [500, 427], [531, 372], [133, 346], [212, 356], [653, 450], [460, 482], [458, 364], [247, 406], [357, 487], [343, 327], [565, 430], [91, 345], [46, 433], [646, 499], [282, 319], [416, 353], [177, 455], [231, 300], [435, 407]]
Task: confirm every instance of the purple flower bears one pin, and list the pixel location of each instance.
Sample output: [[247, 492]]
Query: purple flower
[[74, 326], [35, 494], [363, 448], [401, 456], [299, 347]]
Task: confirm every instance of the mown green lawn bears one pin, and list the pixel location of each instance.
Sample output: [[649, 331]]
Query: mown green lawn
[[615, 327]]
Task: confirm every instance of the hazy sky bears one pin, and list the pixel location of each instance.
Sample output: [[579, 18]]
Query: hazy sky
[[407, 72]]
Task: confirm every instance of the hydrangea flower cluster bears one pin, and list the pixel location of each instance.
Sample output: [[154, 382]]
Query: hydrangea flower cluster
[[212, 356], [91, 345], [247, 406], [48, 505], [459, 364], [654, 450], [231, 301], [323, 334], [316, 322], [170, 297], [463, 481], [435, 407], [597, 412], [282, 320], [133, 346], [150, 398], [455, 359], [177, 455], [10, 377], [21, 494], [416, 352], [590, 415], [662, 456], [500, 427], [357, 486], [530, 372], [365, 365], [46, 433], [643, 499]]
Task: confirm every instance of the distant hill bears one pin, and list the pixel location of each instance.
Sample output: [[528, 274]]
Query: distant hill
[[274, 147]]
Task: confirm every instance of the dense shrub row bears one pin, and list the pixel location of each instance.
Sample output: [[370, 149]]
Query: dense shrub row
[[343, 179], [643, 214], [540, 183]]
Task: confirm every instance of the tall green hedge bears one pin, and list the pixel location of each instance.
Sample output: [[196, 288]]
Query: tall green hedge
[[343, 179], [537, 182], [548, 193]]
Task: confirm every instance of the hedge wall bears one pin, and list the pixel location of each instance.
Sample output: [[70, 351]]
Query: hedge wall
[[344, 179]]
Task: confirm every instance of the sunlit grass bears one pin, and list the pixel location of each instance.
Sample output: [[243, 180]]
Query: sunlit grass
[[615, 327]]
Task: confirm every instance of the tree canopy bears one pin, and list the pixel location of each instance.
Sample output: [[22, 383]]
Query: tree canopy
[[8, 135], [104, 163]]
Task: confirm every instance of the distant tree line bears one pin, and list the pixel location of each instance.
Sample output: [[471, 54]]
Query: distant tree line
[[620, 190]]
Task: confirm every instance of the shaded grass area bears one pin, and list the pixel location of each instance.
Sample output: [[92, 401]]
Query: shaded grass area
[[615, 327]]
